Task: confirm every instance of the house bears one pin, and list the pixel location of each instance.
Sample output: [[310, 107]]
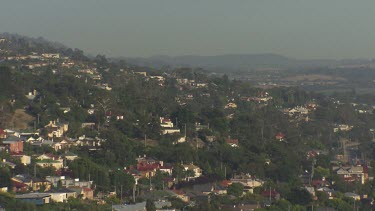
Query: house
[[57, 164], [231, 105], [58, 196], [327, 190], [51, 55], [181, 195], [166, 168], [3, 134], [13, 144], [199, 126], [170, 131], [34, 184], [232, 142], [141, 73], [88, 141], [90, 111], [353, 196], [24, 159], [68, 182], [35, 198], [197, 172], [87, 193], [166, 123], [298, 110], [8, 164], [342, 127], [32, 95], [209, 188], [63, 144], [247, 181], [240, 207], [56, 129], [147, 167], [352, 173], [19, 187], [310, 189], [280, 136], [70, 156]]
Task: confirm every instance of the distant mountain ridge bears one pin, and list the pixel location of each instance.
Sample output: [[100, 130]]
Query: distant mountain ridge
[[239, 62]]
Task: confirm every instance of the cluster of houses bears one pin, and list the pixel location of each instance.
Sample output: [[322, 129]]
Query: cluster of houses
[[39, 190], [148, 167]]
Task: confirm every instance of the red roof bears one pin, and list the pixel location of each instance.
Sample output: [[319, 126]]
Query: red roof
[[18, 184], [280, 136], [2, 132], [147, 167], [225, 183], [232, 141]]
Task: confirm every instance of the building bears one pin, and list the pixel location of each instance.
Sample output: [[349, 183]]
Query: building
[[68, 182], [231, 105], [51, 55], [197, 172], [87, 193], [232, 142], [24, 159], [56, 129], [13, 144], [247, 181], [351, 173], [35, 198], [57, 164]]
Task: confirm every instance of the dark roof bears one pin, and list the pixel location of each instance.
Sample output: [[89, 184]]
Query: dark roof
[[12, 139], [32, 196]]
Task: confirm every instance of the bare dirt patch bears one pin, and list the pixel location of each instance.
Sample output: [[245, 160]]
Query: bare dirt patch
[[20, 120]]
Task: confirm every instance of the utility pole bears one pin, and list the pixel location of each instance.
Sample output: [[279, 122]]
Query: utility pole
[[185, 131], [145, 140], [134, 187], [270, 194], [150, 183], [225, 172], [121, 194]]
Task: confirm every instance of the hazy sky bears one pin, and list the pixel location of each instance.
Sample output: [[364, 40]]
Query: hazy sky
[[295, 28]]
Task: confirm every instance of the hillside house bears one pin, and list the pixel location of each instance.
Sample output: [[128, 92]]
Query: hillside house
[[13, 144], [280, 136], [3, 134], [232, 142], [247, 181], [230, 105], [56, 129], [197, 172], [28, 182], [35, 198], [352, 173], [166, 123]]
